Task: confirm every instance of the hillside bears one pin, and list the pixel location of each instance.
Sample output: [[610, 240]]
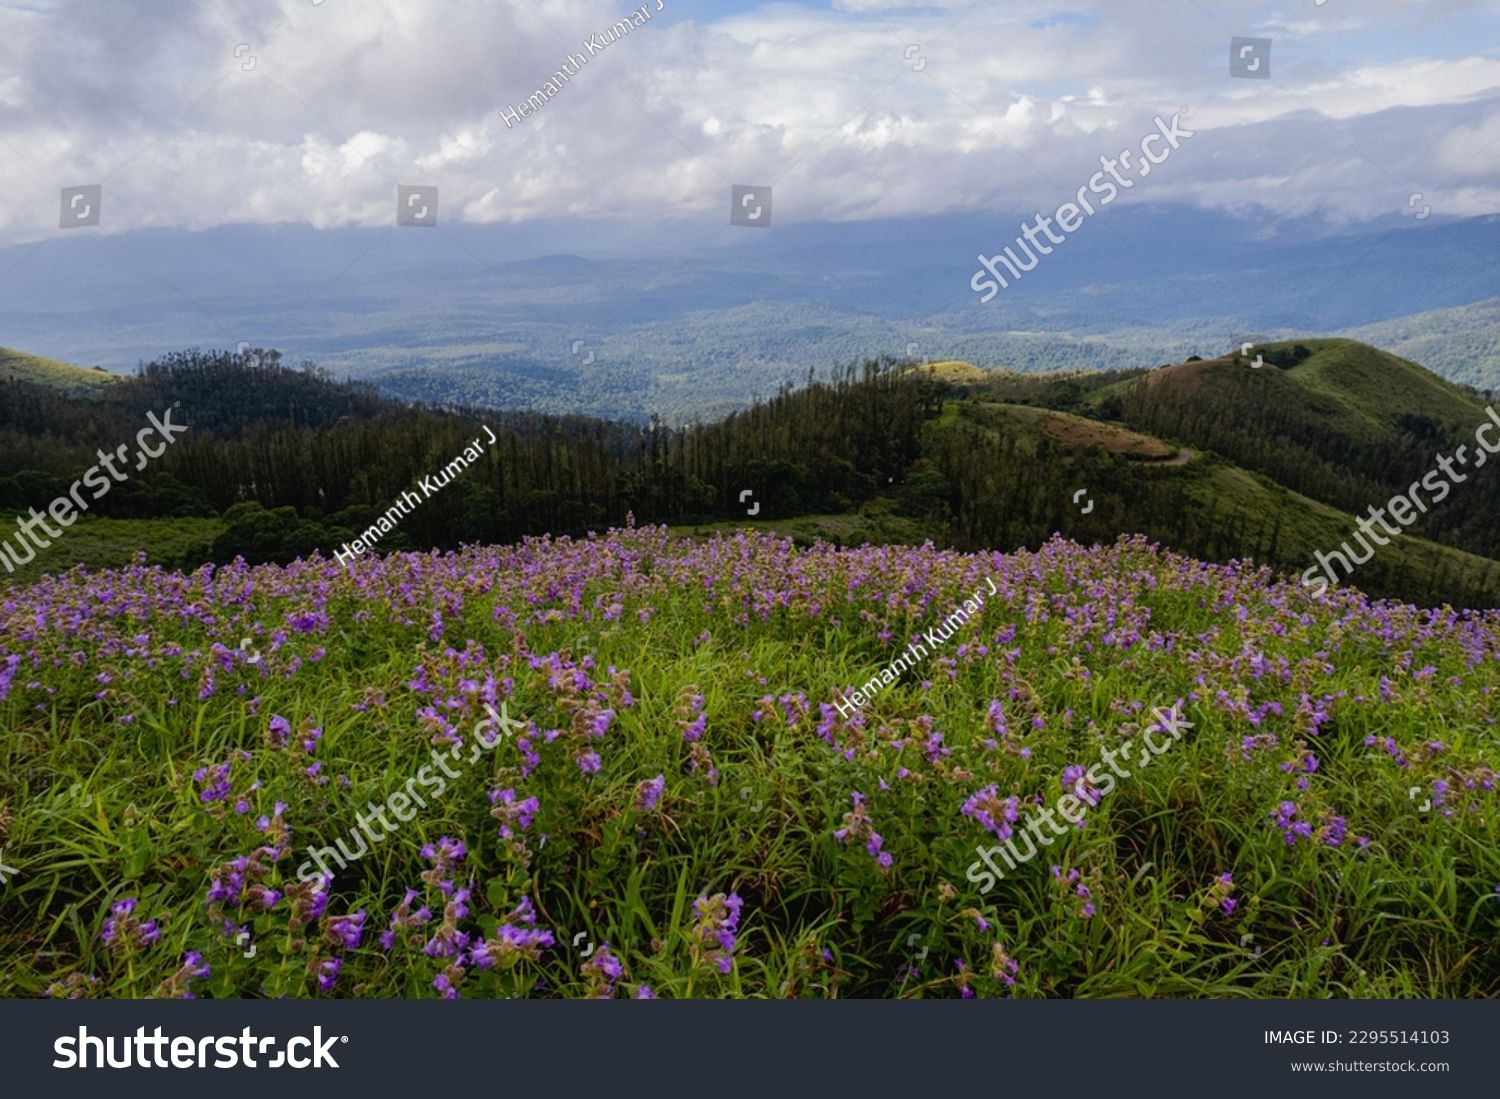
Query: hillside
[[1220, 461], [1178, 495], [19, 366], [1348, 390], [951, 372], [1336, 421], [1461, 343]]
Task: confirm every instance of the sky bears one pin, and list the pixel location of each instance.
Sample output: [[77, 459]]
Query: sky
[[193, 114]]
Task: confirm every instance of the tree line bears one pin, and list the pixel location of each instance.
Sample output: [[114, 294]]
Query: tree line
[[295, 461]]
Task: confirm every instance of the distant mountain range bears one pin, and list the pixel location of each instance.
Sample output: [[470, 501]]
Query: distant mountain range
[[473, 314]]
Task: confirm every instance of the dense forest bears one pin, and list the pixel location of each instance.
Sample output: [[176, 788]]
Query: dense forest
[[297, 461]]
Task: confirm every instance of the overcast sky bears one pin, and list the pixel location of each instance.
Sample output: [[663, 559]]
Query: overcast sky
[[198, 113]]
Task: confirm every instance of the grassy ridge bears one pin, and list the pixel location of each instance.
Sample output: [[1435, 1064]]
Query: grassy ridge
[[18, 365], [1235, 498], [144, 746]]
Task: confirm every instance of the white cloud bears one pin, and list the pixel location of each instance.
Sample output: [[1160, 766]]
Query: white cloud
[[1014, 100]]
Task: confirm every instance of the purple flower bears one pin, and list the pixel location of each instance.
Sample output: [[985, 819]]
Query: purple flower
[[1075, 782], [347, 929], [995, 813], [648, 793], [404, 917], [518, 937], [714, 930], [444, 855], [328, 972], [857, 826], [602, 970], [508, 811], [123, 932]]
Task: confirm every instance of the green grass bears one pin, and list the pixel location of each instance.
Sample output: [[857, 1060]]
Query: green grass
[[49, 372], [1366, 386], [96, 543], [1462, 344], [117, 708]]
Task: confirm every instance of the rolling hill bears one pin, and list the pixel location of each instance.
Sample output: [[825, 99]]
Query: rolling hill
[[19, 366], [1461, 343], [1213, 458]]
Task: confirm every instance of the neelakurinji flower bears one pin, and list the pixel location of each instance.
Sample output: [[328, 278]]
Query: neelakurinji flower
[[1292, 829], [347, 930], [649, 792], [448, 941], [403, 917], [857, 826], [75, 986], [510, 811], [1079, 889], [1227, 637], [178, 986], [123, 932], [1219, 894], [516, 938], [308, 901], [602, 970], [327, 972], [1003, 967], [995, 813], [1075, 782], [713, 935], [445, 855], [447, 982]]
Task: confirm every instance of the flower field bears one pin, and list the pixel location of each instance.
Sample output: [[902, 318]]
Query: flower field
[[679, 809]]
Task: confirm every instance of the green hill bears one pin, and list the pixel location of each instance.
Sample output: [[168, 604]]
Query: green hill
[[952, 371], [1333, 420], [1462, 344], [1141, 483], [19, 366], [1345, 388], [1216, 459]]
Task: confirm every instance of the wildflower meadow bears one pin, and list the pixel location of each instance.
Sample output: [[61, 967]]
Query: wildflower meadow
[[683, 811]]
